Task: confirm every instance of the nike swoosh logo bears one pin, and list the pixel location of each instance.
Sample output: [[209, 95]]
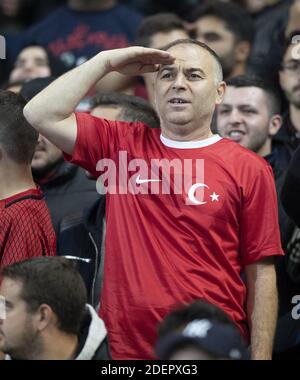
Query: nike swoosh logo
[[140, 181]]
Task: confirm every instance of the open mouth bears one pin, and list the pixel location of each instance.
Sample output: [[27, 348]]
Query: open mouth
[[236, 135], [178, 101]]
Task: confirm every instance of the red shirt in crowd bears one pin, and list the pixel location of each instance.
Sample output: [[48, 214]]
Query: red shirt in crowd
[[168, 248], [25, 228]]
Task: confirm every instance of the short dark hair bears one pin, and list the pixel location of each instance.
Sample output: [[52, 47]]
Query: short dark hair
[[271, 92], [53, 281], [132, 108], [158, 23], [237, 19], [202, 45], [199, 309], [17, 137]]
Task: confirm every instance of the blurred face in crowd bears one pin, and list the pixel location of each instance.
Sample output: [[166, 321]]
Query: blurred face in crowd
[[245, 117], [31, 63], [289, 75], [187, 91], [18, 332], [213, 32], [164, 38], [45, 158]]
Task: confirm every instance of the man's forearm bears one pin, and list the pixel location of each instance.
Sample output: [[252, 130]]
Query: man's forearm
[[262, 305], [59, 100]]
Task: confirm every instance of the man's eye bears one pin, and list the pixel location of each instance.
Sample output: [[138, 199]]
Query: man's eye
[[223, 111], [195, 76], [212, 37], [166, 76]]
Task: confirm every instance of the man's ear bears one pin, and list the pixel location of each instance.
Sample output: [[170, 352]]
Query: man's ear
[[242, 51], [220, 92], [43, 317], [274, 124]]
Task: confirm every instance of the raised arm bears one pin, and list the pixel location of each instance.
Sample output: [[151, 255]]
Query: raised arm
[[51, 112]]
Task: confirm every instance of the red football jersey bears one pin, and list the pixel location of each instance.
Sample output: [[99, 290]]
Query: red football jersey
[[25, 228], [183, 219]]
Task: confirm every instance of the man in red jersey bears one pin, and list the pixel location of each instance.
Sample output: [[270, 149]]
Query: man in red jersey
[[25, 225], [187, 211]]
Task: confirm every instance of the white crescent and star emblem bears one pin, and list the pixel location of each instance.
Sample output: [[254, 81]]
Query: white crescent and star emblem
[[192, 198]]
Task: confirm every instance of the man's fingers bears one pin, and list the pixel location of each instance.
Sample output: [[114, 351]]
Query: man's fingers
[[157, 57], [149, 68]]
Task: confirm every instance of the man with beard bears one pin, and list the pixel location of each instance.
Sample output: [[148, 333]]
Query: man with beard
[[67, 189], [289, 76], [250, 116], [228, 30], [47, 316]]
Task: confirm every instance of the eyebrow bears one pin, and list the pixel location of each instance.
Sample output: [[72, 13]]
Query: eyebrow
[[190, 70], [243, 105]]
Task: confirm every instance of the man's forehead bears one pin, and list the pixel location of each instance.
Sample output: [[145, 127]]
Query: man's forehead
[[191, 63], [10, 288], [190, 56], [184, 50], [243, 95]]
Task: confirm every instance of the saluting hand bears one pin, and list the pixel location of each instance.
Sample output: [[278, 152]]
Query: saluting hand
[[137, 60]]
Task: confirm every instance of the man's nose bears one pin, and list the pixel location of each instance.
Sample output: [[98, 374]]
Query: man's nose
[[235, 117], [29, 66], [179, 82]]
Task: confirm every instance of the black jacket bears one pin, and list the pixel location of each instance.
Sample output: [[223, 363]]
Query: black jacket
[[81, 238], [266, 52], [68, 192], [93, 344], [290, 194], [287, 137]]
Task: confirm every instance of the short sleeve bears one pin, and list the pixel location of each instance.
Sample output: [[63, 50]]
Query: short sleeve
[[96, 139], [259, 228]]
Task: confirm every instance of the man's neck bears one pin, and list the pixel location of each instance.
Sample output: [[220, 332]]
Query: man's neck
[[96, 5], [16, 179], [266, 149], [295, 116], [187, 132], [58, 347]]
